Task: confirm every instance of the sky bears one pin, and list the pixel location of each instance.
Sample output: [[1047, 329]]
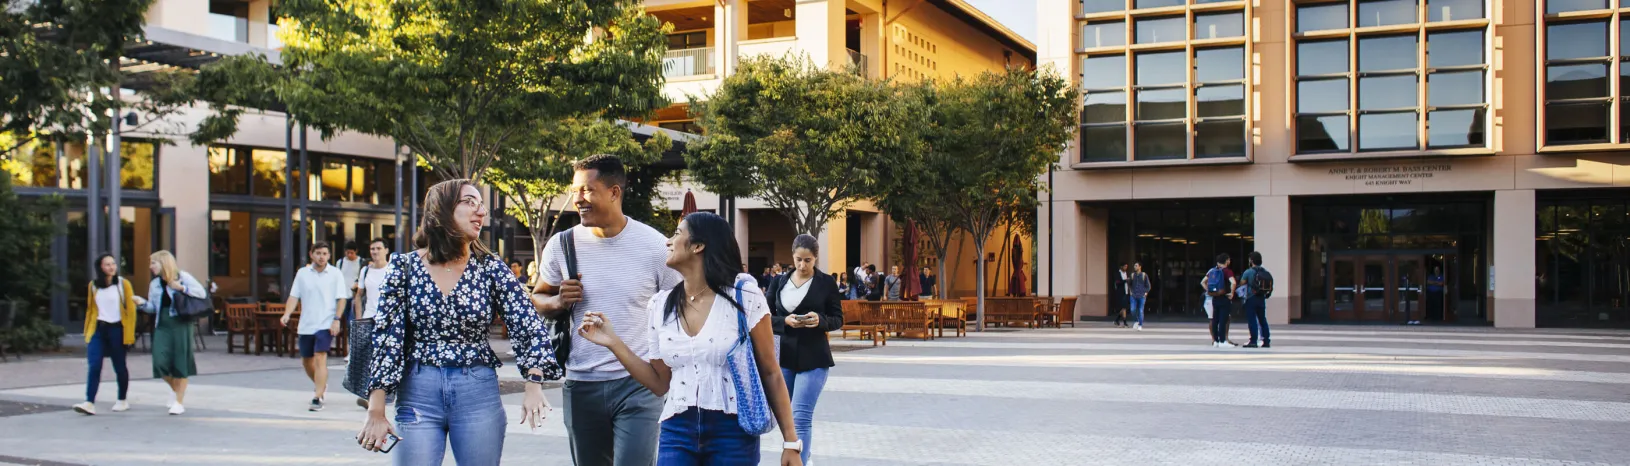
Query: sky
[[1018, 15]]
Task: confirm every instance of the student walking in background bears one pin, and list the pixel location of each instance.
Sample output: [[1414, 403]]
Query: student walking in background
[[365, 307], [1137, 285], [319, 292], [430, 344], [612, 419], [927, 280], [804, 306], [1219, 285], [110, 326], [351, 269], [1258, 286], [1119, 296], [172, 335], [696, 328]]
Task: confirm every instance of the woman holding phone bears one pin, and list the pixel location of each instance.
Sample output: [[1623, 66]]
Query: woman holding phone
[[693, 328], [804, 306], [430, 341], [172, 336], [110, 326]]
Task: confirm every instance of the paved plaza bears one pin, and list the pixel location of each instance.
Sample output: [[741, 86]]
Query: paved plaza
[[1092, 395]]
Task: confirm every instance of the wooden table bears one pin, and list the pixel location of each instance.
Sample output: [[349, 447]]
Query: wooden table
[[269, 320]]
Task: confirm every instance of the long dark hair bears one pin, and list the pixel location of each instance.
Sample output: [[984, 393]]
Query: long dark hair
[[721, 258], [103, 280], [437, 233]]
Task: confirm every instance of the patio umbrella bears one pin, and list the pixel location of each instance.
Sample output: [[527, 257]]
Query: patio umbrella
[[690, 204]]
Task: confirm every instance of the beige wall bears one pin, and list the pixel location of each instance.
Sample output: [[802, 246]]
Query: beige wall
[[1513, 168]]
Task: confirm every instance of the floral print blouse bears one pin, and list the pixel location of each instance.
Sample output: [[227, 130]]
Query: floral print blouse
[[417, 324]]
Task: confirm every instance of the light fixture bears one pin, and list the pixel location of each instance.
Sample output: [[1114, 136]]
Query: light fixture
[[786, 12]]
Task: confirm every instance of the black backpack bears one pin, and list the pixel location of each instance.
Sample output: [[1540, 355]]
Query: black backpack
[[560, 330], [1261, 282]]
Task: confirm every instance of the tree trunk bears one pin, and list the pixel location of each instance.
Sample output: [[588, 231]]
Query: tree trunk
[[979, 267], [956, 264], [940, 281], [1001, 257]]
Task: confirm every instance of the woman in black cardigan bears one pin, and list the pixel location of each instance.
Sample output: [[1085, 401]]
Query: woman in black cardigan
[[804, 306]]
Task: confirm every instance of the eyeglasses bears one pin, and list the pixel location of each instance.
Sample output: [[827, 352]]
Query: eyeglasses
[[472, 202]]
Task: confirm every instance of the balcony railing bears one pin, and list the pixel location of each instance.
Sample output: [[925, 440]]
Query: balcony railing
[[859, 59], [687, 62]]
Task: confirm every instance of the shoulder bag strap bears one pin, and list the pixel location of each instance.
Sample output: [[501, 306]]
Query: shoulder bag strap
[[568, 247]]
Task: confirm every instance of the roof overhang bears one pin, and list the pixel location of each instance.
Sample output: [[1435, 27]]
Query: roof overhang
[[960, 9]]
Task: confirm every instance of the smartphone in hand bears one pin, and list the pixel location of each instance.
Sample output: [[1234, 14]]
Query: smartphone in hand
[[390, 442]]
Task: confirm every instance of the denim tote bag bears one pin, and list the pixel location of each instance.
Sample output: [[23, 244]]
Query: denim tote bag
[[752, 408]]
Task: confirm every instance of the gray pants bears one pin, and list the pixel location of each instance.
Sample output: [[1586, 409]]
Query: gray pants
[[612, 423]]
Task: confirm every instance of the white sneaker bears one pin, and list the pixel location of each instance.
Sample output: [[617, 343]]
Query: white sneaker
[[1139, 327], [177, 409], [1216, 344], [85, 407], [170, 403], [121, 406]]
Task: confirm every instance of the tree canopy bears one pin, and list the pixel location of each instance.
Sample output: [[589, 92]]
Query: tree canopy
[[461, 82], [807, 141]]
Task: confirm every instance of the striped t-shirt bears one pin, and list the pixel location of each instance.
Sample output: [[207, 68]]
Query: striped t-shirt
[[619, 274]]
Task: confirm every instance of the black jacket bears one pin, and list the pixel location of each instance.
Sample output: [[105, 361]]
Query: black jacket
[[805, 349]]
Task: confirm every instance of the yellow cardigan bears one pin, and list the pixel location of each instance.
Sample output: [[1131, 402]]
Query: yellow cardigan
[[127, 316]]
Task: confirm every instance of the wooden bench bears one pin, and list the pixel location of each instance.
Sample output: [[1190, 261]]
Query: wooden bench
[[952, 314], [1006, 311], [240, 325], [867, 324], [907, 318]]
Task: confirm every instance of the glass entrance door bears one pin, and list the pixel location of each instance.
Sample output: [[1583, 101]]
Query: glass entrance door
[[1362, 287], [1345, 288]]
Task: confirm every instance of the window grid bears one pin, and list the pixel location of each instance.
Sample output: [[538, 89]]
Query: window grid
[[1129, 49], [1553, 13], [1421, 28]]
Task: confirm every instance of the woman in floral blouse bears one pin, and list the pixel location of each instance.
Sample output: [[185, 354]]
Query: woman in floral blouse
[[430, 341]]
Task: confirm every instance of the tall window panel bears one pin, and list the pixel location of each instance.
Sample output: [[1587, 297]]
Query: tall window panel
[[1163, 80], [1583, 46], [1390, 75]]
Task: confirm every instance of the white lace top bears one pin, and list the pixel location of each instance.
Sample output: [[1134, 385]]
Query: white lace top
[[700, 376]]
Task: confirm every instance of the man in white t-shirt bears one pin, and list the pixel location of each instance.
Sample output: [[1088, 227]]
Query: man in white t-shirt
[[621, 263], [350, 268], [319, 293]]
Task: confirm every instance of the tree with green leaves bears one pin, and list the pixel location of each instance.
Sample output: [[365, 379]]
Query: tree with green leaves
[[29, 271], [462, 83], [539, 172], [914, 192], [992, 137], [807, 141], [58, 60]]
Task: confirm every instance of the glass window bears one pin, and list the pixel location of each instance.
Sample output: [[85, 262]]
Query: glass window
[[228, 170], [1100, 6], [1575, 81], [1103, 72], [1108, 34], [1453, 10], [1386, 53], [1576, 123], [1455, 128], [1386, 12], [1455, 88], [1321, 133], [1161, 141], [137, 164], [1161, 29], [269, 177], [1322, 96], [1562, 6], [335, 175], [1386, 92], [1161, 68], [1321, 17], [1214, 65], [1459, 48], [74, 152], [1224, 138], [1219, 25], [386, 171], [1162, 104], [229, 20], [1219, 101], [1381, 131], [1576, 40], [363, 183], [1103, 143], [1141, 4], [1104, 107], [34, 165], [1322, 57]]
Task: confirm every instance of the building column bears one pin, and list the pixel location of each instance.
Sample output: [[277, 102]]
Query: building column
[[1513, 259], [1065, 260], [259, 21], [742, 233], [1272, 232], [1093, 238], [871, 43], [181, 163], [730, 28], [819, 25], [834, 244]]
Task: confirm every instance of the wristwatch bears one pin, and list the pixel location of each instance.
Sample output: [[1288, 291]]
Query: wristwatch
[[795, 445]]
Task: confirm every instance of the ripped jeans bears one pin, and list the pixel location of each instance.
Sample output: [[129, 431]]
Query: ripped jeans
[[440, 405]]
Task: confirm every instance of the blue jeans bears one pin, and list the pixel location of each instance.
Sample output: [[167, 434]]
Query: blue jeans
[[805, 388], [1220, 307], [1137, 307], [108, 342], [437, 405], [705, 437], [1256, 315]]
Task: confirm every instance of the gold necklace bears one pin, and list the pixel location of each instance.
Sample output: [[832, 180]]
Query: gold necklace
[[693, 298]]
